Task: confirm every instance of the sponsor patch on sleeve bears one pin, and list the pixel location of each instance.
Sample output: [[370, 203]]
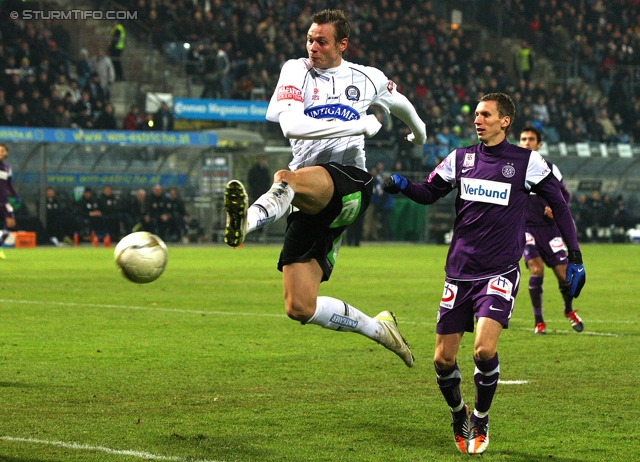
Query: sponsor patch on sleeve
[[500, 286], [391, 86], [289, 92], [448, 296]]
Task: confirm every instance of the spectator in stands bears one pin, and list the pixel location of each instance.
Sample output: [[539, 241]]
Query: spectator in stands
[[83, 68], [34, 100], [25, 69], [83, 119], [178, 218], [23, 116], [77, 91], [63, 88], [609, 132], [95, 89], [103, 66], [8, 117], [109, 206], [62, 116], [157, 215], [217, 67], [46, 115], [133, 120], [18, 98], [116, 48], [163, 118], [106, 120], [43, 83], [83, 103]]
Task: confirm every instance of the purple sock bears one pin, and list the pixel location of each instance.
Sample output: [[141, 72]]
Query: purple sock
[[535, 292], [486, 379], [449, 382], [566, 296]]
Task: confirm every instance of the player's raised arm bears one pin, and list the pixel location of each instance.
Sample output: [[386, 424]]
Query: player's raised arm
[[403, 109]]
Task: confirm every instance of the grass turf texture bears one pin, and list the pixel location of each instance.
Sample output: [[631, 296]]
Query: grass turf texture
[[203, 363]]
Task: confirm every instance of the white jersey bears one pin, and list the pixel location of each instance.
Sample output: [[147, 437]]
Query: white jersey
[[342, 93]]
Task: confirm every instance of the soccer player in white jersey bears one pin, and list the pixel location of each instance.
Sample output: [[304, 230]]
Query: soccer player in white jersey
[[321, 103]]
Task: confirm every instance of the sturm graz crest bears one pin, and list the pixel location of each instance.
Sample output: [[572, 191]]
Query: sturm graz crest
[[352, 93]]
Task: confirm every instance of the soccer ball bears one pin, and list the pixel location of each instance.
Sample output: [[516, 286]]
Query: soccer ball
[[141, 257]]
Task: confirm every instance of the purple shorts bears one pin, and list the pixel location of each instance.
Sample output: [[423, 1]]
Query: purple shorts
[[545, 242], [6, 211], [462, 301]]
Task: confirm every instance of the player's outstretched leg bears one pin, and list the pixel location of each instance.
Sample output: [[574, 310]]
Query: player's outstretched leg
[[393, 340], [236, 203]]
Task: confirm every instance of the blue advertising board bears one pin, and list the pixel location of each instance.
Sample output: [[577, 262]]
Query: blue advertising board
[[220, 109], [137, 180], [119, 137]]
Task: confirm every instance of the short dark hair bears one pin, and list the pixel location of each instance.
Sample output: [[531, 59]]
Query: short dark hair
[[532, 129], [335, 17], [505, 106]]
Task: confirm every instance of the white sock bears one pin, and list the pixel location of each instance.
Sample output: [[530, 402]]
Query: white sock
[[4, 234], [335, 314], [269, 207]]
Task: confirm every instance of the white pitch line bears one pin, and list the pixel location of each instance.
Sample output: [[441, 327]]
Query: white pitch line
[[512, 382], [586, 332], [140, 308], [274, 315], [86, 447]]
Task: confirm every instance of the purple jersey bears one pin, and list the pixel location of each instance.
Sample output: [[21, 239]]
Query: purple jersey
[[6, 188], [534, 211], [493, 184]]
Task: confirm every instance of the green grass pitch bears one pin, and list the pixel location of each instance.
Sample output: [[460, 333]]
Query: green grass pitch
[[203, 364]]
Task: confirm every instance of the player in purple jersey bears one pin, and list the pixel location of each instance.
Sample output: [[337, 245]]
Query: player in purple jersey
[[493, 180], [6, 191], [544, 244]]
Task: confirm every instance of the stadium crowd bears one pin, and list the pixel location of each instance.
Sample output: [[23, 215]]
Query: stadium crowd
[[237, 49], [41, 85]]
